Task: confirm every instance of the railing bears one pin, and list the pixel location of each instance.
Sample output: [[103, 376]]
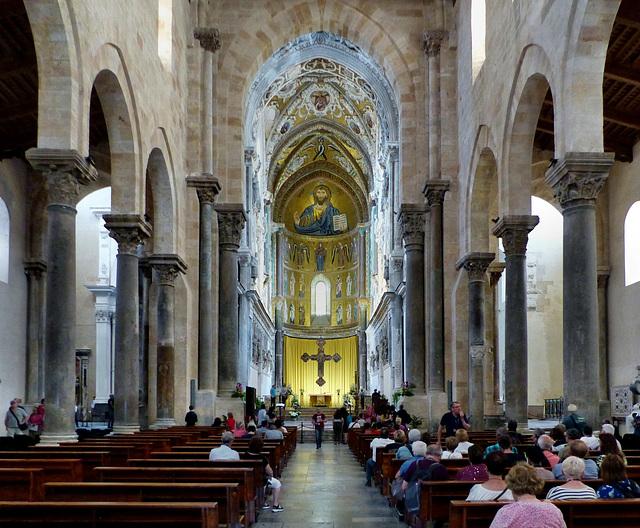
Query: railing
[[553, 408]]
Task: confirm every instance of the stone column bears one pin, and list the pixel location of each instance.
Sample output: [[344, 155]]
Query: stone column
[[207, 188], [279, 337], [431, 44], [245, 325], [279, 236], [476, 265], [146, 278], [605, 403], [495, 272], [35, 271], [576, 181], [434, 191], [362, 346], [64, 171], [231, 219], [129, 231], [105, 312], [166, 267], [210, 41], [396, 351], [412, 218], [362, 259], [514, 231]]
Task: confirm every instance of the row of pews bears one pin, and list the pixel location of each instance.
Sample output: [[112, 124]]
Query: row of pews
[[162, 477], [445, 501]]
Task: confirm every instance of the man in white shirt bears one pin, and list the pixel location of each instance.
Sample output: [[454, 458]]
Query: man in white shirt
[[381, 441], [224, 452], [592, 442]]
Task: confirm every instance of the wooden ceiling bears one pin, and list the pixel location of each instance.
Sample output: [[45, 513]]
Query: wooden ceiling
[[620, 87]]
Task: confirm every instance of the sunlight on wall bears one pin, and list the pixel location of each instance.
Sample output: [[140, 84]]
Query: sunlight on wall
[[478, 33], [632, 245], [165, 22], [4, 242]]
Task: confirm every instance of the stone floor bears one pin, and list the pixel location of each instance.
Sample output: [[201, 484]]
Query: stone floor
[[324, 488]]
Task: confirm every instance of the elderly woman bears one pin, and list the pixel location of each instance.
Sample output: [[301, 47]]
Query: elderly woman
[[254, 453], [608, 446], [240, 430], [573, 489], [463, 441], [476, 470], [524, 483], [451, 443], [494, 489], [616, 483]]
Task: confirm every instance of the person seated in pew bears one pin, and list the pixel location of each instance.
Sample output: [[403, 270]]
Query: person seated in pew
[[476, 470], [524, 483], [280, 426], [537, 433], [254, 452], [536, 458], [569, 436], [609, 446], [592, 442], [433, 456], [406, 451], [578, 449], [574, 489], [231, 421], [616, 483], [251, 432], [512, 430], [399, 440], [500, 432], [398, 426], [224, 452], [217, 422], [494, 489], [370, 465], [451, 443], [505, 448], [419, 453], [546, 444], [240, 430], [557, 434], [264, 427], [273, 432], [463, 442]]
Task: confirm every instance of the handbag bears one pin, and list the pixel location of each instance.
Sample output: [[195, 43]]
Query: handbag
[[396, 488], [21, 426]]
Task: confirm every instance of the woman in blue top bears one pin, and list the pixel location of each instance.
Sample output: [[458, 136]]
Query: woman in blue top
[[616, 483]]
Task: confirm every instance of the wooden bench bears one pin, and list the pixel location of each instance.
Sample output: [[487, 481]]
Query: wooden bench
[[226, 495], [20, 484], [89, 459], [119, 454], [110, 514], [61, 470], [621, 513], [243, 476]]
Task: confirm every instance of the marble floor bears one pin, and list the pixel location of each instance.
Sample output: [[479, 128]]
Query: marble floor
[[324, 488]]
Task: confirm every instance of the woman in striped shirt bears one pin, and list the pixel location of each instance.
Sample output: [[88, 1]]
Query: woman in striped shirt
[[573, 489]]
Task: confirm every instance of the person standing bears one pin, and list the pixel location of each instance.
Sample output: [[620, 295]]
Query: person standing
[[110, 411], [272, 393], [14, 419], [318, 420], [284, 394], [35, 423], [191, 418], [574, 420], [362, 398], [452, 421]]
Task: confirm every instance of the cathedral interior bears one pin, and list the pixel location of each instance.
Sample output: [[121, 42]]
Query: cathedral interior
[[330, 195]]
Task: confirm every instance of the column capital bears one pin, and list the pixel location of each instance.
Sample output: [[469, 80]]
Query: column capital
[[209, 38], [34, 267], [145, 267], [577, 178], [128, 230], [434, 191], [432, 41], [514, 231], [476, 265], [603, 276], [495, 271], [65, 170], [206, 185], [167, 266], [412, 222], [231, 220], [477, 353]]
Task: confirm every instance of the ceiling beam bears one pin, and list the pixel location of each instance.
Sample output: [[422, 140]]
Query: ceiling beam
[[24, 107], [626, 119], [621, 73], [545, 126], [11, 8], [629, 14]]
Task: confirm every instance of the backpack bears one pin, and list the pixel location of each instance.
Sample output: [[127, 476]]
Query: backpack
[[412, 493]]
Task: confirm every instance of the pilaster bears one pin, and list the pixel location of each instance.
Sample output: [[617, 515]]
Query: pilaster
[[35, 270]]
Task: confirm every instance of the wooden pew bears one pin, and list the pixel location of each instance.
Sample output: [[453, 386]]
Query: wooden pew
[[226, 495], [21, 484], [621, 513], [62, 470], [89, 459], [119, 453], [110, 514], [243, 476]]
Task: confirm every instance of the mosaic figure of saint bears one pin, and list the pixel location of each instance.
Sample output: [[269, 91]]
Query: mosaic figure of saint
[[301, 315], [292, 314], [302, 287], [321, 255], [339, 314], [349, 313], [292, 284], [318, 219], [338, 287], [349, 284]]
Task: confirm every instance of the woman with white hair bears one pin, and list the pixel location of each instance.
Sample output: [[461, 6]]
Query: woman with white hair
[[573, 489]]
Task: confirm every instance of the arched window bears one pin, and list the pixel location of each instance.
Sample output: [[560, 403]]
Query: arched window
[[321, 298], [165, 23], [4, 242], [632, 245], [478, 33]]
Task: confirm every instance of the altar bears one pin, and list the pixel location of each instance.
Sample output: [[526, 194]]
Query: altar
[[320, 399]]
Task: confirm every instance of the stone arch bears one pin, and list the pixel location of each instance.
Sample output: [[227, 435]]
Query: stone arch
[[533, 79], [589, 32], [161, 205], [55, 36], [267, 30], [114, 88]]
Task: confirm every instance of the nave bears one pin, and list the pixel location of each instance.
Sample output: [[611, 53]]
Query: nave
[[324, 488]]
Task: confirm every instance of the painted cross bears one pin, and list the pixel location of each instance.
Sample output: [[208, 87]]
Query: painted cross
[[320, 357]]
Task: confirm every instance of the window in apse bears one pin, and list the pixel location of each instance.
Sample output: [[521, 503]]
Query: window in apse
[[632, 245], [321, 298]]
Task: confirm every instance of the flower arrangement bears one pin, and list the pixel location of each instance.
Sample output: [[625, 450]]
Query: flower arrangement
[[416, 421], [294, 414], [353, 390], [405, 390], [238, 392], [295, 403]]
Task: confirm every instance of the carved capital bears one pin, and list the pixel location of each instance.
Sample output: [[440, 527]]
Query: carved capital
[[476, 265], [412, 222], [495, 272], [432, 41], [128, 230], [434, 191], [476, 354], [209, 38], [514, 231], [231, 220], [577, 178], [206, 185], [603, 276], [104, 316], [167, 267], [34, 268]]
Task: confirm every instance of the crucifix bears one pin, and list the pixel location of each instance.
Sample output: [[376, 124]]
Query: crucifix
[[320, 357]]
